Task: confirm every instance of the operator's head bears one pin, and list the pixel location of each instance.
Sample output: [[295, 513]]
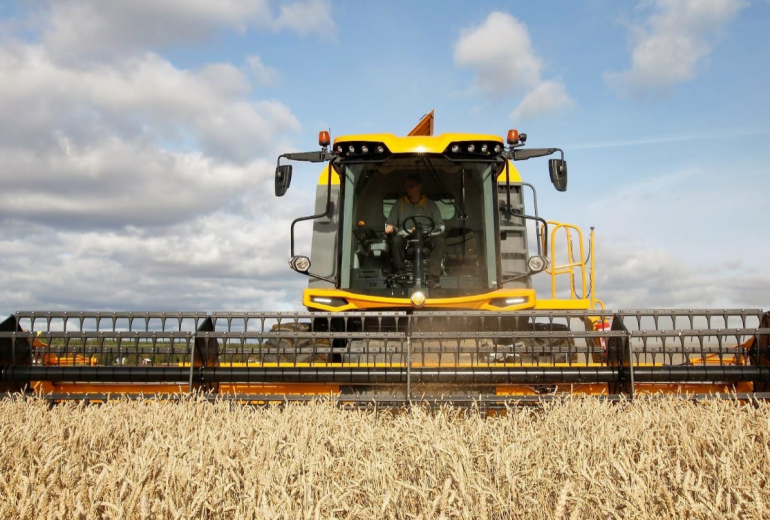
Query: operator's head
[[413, 185]]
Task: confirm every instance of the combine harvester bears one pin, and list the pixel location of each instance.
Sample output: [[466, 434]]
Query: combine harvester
[[380, 330]]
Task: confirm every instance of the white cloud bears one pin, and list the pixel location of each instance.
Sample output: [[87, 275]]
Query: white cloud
[[634, 274], [308, 17], [130, 182], [504, 63], [633, 278], [134, 142], [92, 29], [547, 98], [264, 74], [500, 53], [113, 183], [665, 237], [672, 43], [218, 262], [221, 260], [143, 98]]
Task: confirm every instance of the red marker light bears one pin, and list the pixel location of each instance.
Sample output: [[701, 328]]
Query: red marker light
[[323, 138], [513, 136]]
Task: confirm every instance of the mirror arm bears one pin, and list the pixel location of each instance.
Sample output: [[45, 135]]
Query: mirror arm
[[313, 157], [529, 153]]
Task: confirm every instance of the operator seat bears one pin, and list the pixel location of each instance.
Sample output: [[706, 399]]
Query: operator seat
[[410, 249]]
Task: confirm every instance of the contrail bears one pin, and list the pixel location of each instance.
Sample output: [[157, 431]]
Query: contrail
[[664, 139]]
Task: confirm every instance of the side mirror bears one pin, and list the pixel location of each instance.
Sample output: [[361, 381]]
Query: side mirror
[[558, 170], [282, 179]]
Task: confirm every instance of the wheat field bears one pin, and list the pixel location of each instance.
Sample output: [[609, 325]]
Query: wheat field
[[578, 458]]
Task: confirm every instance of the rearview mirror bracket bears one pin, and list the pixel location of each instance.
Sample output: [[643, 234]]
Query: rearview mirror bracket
[[283, 172]]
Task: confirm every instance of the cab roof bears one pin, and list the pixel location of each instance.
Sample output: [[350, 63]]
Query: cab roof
[[417, 143]]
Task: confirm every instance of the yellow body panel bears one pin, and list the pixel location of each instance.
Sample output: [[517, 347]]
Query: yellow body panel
[[358, 301], [513, 173], [323, 179], [417, 143]]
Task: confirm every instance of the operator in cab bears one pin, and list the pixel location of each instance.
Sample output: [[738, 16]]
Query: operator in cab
[[408, 210]]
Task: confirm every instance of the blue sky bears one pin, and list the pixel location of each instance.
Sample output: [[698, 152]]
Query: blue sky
[[138, 138]]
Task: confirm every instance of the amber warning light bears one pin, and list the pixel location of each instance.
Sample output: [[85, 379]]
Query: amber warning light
[[323, 138], [513, 136]]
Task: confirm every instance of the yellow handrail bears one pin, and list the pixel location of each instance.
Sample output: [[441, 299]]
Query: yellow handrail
[[555, 269]]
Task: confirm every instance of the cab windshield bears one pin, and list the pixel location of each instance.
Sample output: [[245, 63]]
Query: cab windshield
[[463, 193]]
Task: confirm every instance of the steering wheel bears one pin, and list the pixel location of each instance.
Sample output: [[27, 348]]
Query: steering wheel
[[414, 218]]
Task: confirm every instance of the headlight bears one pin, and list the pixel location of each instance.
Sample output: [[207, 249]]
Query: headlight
[[537, 263], [473, 149], [300, 263], [508, 302], [362, 150], [329, 300], [418, 299]]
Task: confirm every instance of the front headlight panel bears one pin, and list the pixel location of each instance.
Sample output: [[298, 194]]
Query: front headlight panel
[[362, 150], [473, 149]]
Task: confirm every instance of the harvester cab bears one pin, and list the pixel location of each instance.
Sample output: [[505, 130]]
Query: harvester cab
[[459, 240]]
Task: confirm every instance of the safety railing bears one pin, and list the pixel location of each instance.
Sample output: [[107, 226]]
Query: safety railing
[[584, 264]]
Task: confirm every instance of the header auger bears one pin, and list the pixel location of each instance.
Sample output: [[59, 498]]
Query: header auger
[[420, 290]]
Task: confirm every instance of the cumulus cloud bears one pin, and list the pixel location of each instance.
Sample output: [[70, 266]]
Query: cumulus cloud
[[501, 55], [109, 145], [217, 262], [653, 278], [547, 98], [131, 182], [672, 239], [113, 183], [264, 74], [631, 274], [144, 97], [89, 29], [672, 43], [308, 17]]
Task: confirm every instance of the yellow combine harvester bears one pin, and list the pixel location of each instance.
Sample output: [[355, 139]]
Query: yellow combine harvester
[[421, 267]]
